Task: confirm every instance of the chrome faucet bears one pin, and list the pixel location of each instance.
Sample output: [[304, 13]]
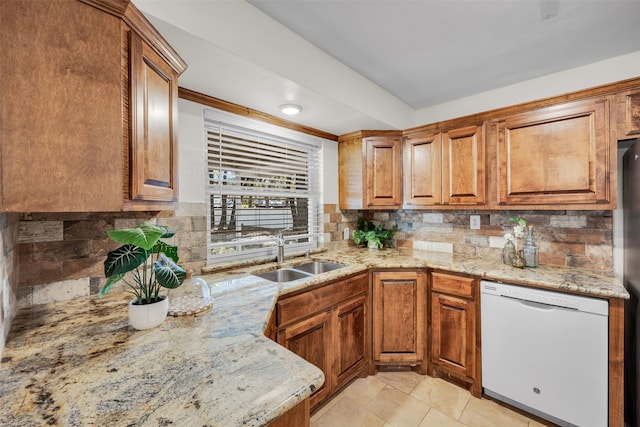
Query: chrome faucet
[[280, 258]]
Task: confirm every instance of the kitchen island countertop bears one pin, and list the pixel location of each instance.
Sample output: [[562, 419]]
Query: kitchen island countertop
[[78, 363]]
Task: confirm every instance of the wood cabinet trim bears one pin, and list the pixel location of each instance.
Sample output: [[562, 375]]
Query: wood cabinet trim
[[616, 362], [524, 107], [134, 18], [210, 101]]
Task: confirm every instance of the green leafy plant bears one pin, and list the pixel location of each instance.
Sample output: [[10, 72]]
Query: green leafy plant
[[376, 234], [147, 276]]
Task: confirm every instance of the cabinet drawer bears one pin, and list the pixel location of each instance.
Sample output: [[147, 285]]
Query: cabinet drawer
[[302, 305], [451, 284]]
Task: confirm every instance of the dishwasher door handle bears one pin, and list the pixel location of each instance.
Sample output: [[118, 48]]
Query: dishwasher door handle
[[533, 304]]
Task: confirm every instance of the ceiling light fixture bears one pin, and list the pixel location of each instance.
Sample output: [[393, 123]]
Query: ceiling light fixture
[[290, 109]]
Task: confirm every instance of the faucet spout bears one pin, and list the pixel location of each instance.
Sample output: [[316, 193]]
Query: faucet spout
[[280, 258]]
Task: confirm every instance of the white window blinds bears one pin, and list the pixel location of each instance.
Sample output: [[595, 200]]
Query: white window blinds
[[259, 181]]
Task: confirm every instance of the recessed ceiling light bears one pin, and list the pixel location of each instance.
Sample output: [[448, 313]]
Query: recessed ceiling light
[[290, 109]]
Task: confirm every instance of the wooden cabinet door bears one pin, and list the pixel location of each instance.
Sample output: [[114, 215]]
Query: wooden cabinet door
[[422, 159], [453, 334], [311, 339], [61, 130], [454, 328], [629, 114], [463, 166], [350, 340], [154, 95], [399, 309], [555, 156], [383, 172]]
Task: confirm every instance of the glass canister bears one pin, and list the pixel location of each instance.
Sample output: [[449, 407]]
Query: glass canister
[[508, 252], [192, 297], [530, 249]]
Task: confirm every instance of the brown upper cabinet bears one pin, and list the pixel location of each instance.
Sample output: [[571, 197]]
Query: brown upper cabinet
[[629, 114], [553, 156], [370, 170], [89, 116], [445, 168], [422, 163], [554, 153]]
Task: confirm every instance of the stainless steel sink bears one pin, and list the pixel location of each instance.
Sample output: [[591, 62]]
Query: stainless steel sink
[[282, 275], [317, 267]]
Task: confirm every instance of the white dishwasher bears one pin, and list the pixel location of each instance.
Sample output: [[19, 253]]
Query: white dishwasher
[[546, 352]]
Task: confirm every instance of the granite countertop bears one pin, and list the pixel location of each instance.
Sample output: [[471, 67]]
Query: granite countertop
[[78, 362]]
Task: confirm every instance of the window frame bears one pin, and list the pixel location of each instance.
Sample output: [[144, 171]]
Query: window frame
[[215, 119]]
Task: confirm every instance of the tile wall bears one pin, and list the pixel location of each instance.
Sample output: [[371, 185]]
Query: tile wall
[[8, 273], [61, 255], [565, 238]]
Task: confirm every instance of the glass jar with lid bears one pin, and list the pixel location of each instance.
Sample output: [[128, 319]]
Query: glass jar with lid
[[192, 297]]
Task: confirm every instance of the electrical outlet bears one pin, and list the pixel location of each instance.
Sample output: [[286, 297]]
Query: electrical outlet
[[474, 222], [345, 233]]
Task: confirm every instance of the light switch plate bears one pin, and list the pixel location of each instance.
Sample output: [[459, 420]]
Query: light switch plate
[[345, 233], [474, 222]]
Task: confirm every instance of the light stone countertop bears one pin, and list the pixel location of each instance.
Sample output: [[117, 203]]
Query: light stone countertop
[[78, 363]]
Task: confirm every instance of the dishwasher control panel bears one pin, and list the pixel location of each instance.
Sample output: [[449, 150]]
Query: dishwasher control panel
[[551, 298]]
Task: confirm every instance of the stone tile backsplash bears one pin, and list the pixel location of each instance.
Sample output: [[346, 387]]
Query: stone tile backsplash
[[61, 255], [8, 273], [565, 238]]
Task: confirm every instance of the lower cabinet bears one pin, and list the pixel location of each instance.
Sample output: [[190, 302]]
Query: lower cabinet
[[311, 339], [399, 318], [454, 322], [328, 326], [350, 353], [298, 416]]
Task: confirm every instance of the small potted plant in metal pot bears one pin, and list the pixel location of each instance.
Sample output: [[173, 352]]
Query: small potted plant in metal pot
[[145, 264]]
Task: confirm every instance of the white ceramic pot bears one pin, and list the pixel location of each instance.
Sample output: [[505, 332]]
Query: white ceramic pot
[[372, 244], [148, 316]]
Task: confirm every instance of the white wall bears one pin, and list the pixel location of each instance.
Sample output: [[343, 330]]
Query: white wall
[[191, 152], [596, 74], [330, 171]]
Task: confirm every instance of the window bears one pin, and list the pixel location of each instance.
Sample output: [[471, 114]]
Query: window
[[260, 179]]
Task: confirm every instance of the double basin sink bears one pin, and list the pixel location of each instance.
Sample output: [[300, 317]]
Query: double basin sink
[[299, 271]]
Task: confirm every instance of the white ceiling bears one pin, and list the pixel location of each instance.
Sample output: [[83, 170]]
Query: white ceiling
[[372, 64]]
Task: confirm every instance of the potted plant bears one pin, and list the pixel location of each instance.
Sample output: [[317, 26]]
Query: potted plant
[[375, 236], [145, 264]]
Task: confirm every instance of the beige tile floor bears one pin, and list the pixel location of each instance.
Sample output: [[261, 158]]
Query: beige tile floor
[[407, 399]]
